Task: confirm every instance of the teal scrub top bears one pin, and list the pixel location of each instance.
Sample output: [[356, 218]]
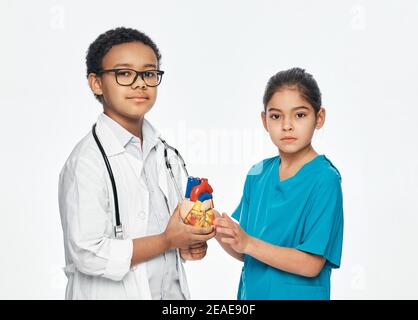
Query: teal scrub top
[[304, 212]]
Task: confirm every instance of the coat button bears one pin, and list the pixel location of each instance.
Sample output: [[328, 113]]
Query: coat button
[[141, 215]]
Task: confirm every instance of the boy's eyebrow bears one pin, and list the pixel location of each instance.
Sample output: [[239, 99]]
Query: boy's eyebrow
[[128, 65], [149, 65], [295, 108]]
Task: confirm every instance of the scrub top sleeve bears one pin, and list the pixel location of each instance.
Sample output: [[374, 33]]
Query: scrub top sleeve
[[241, 212], [323, 233]]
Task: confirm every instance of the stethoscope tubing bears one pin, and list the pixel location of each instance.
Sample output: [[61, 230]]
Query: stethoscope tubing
[[118, 227], [112, 179]]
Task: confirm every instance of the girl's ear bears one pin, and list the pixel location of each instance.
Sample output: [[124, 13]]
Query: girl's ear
[[95, 84], [320, 118], [263, 118]]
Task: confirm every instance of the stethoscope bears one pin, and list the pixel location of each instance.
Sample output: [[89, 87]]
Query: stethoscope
[[118, 227]]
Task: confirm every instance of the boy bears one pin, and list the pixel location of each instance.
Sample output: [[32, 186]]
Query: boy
[[123, 73]]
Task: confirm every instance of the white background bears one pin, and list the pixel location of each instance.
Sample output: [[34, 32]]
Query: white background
[[218, 56]]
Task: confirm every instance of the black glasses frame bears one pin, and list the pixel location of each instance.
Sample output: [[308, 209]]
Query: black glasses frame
[[137, 74]]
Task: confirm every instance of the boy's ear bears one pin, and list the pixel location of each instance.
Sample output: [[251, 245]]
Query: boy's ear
[[95, 84], [263, 118], [320, 118]]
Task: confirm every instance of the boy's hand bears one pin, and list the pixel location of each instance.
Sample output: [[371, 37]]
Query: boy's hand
[[229, 232], [180, 235], [194, 252]]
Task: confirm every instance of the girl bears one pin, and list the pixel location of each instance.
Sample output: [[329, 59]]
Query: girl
[[290, 216]]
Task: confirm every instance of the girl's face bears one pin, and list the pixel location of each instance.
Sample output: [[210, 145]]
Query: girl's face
[[290, 120]]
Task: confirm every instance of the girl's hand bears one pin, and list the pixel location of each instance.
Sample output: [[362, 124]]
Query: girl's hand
[[217, 216], [231, 233]]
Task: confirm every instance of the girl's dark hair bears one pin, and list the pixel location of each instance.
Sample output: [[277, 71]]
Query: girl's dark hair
[[295, 77], [104, 42]]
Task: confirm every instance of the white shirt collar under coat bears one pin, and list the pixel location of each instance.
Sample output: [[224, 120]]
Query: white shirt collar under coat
[[114, 137]]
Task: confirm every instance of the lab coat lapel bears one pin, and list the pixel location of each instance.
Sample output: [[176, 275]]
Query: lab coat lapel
[[162, 170], [113, 147], [164, 180], [110, 143]]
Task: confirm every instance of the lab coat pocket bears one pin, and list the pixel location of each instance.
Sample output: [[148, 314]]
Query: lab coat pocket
[[131, 287], [82, 287]]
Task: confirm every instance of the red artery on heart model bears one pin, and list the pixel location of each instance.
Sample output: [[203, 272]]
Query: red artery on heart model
[[196, 208]]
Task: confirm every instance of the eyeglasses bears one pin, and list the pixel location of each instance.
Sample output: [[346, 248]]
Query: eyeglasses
[[127, 77]]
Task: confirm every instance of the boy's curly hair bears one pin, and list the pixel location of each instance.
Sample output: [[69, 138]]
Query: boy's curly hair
[[98, 49]]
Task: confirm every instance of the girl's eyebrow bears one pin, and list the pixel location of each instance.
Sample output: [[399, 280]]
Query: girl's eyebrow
[[294, 108]]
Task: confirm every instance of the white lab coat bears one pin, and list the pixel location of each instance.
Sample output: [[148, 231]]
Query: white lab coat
[[97, 264]]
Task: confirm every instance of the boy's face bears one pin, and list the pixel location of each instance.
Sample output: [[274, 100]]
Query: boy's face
[[126, 103], [290, 120]]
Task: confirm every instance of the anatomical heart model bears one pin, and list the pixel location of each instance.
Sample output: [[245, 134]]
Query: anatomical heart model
[[196, 209]]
